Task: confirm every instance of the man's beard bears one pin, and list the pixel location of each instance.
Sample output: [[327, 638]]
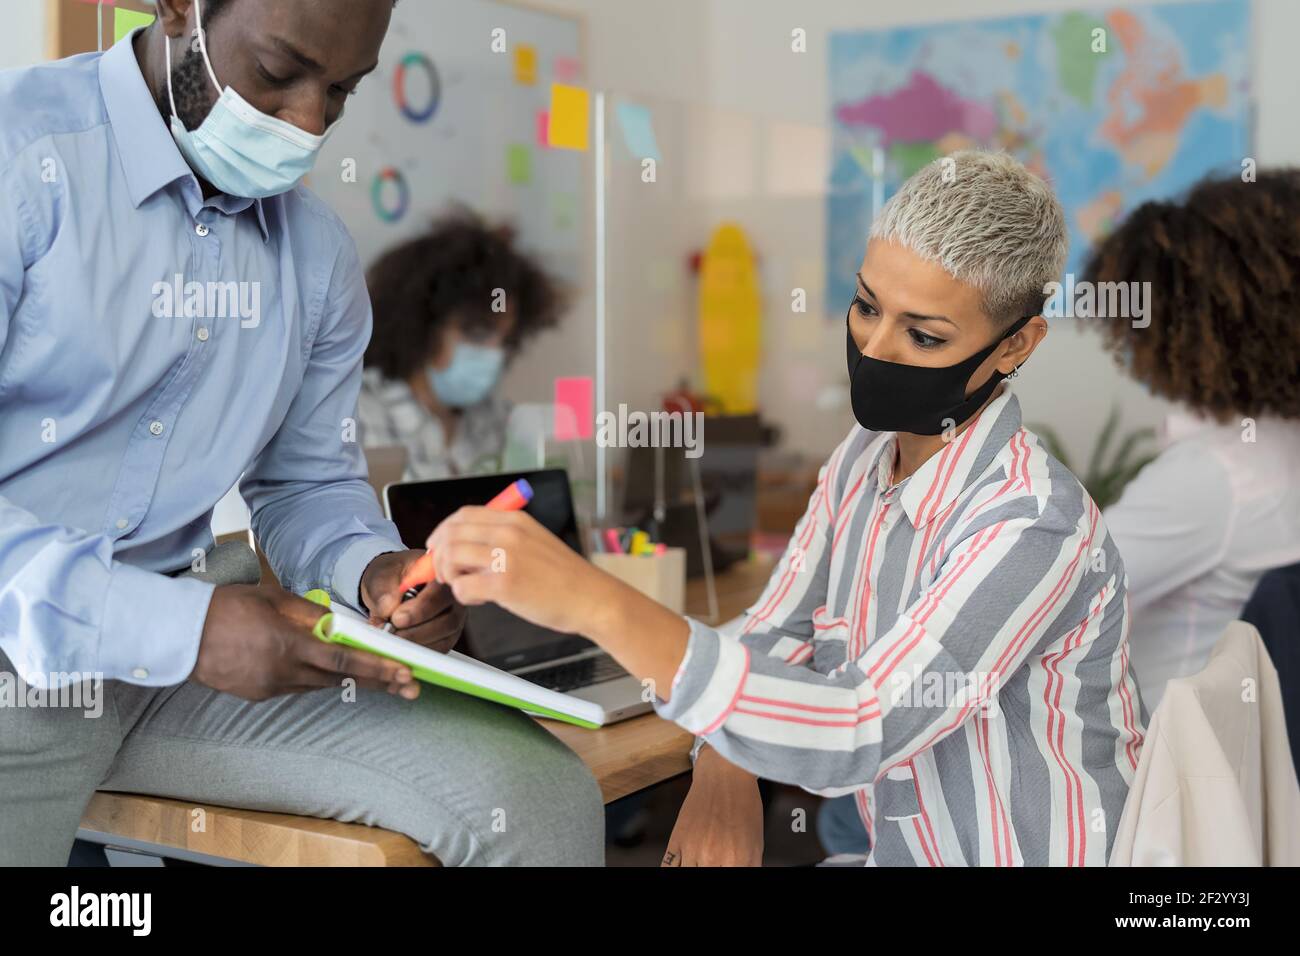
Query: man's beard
[[192, 89]]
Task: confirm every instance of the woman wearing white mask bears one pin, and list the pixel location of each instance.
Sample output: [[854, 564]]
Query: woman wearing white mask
[[452, 307]]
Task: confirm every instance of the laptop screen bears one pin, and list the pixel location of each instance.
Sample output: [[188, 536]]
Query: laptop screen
[[492, 635]]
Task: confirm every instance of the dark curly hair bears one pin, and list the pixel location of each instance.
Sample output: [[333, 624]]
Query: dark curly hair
[[450, 274], [1224, 268]]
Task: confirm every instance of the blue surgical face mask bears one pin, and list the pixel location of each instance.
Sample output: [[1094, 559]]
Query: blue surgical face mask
[[238, 149], [469, 376]]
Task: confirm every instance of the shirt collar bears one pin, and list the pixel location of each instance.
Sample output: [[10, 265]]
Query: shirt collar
[[149, 156], [882, 466], [927, 493], [234, 205]]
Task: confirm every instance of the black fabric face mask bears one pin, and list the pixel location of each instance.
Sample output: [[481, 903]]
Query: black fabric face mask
[[893, 397]]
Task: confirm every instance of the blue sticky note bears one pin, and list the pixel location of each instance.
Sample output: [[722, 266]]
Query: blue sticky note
[[638, 131]]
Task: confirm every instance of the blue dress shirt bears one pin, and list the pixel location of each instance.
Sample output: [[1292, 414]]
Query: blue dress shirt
[[127, 411]]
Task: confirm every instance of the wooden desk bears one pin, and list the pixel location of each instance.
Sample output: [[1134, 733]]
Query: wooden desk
[[624, 758]]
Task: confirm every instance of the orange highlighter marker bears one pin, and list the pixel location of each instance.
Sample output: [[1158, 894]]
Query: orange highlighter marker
[[513, 497]]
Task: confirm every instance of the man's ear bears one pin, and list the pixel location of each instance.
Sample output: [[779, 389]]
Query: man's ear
[[1021, 345], [174, 15]]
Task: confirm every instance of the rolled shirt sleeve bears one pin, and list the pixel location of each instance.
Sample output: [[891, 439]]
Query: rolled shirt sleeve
[[708, 681]]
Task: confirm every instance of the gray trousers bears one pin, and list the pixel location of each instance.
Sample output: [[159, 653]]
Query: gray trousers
[[471, 782]]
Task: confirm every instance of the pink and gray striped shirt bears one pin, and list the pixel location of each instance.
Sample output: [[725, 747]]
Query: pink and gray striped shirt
[[952, 649]]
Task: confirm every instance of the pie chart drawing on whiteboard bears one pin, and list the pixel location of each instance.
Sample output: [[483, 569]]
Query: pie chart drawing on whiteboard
[[389, 194], [415, 103]]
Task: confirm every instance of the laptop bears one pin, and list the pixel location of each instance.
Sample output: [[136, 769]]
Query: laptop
[[561, 662]]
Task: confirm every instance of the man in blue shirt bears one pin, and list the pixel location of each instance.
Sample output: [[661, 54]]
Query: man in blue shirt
[[176, 312]]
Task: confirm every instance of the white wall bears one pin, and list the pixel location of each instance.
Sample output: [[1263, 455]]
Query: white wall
[[22, 41], [663, 56], [658, 48]]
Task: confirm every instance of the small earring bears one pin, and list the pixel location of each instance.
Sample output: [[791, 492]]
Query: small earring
[[1014, 372]]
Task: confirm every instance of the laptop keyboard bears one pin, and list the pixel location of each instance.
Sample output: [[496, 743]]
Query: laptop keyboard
[[575, 674]]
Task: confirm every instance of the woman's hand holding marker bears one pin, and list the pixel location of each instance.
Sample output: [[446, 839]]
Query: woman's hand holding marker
[[547, 583], [513, 497]]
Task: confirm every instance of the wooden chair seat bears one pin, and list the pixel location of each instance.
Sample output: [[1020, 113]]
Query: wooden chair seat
[[166, 828], [624, 758]]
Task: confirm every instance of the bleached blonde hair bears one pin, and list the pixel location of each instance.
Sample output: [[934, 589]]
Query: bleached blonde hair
[[987, 221]]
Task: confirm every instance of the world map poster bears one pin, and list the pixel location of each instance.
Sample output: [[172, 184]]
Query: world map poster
[[1112, 107]]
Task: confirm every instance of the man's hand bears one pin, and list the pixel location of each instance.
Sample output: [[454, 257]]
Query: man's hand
[[257, 643], [721, 821], [433, 617]]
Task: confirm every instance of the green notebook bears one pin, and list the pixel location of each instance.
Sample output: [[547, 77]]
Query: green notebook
[[453, 670]]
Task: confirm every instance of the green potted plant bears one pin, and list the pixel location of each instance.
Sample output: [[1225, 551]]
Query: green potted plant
[[1105, 476]]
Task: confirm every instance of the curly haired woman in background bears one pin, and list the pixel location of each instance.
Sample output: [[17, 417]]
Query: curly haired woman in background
[[1220, 505], [452, 307]]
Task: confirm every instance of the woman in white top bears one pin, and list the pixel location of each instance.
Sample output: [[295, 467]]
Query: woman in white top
[[452, 307], [1220, 505]]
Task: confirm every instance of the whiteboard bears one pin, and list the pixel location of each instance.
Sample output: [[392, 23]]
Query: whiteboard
[[444, 120]]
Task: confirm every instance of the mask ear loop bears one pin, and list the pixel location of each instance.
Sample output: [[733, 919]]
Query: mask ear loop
[[167, 60], [203, 44], [207, 60]]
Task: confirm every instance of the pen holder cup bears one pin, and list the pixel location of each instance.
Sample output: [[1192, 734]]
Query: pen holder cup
[[661, 577]]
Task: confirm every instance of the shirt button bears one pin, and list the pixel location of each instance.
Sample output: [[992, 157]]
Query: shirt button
[[140, 673], [201, 229], [121, 523], [202, 333], [155, 427]]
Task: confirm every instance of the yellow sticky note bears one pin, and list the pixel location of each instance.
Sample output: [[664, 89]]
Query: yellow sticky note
[[124, 21], [525, 64], [570, 109]]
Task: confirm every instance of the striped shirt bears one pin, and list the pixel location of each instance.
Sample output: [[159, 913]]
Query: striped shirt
[[951, 649]]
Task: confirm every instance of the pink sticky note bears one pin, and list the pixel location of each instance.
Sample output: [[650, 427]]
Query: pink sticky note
[[543, 128], [567, 69], [573, 403]]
